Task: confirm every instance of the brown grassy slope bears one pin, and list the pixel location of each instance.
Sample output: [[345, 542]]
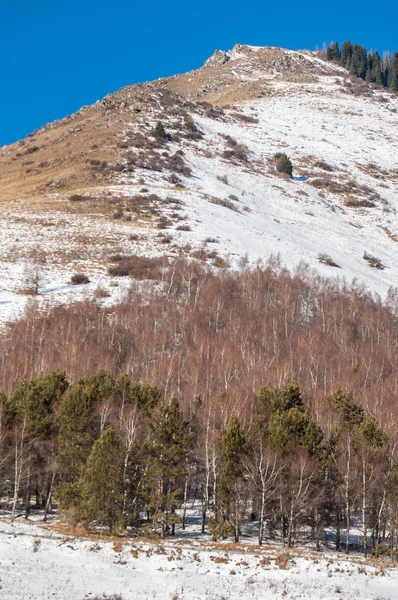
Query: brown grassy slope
[[56, 158]]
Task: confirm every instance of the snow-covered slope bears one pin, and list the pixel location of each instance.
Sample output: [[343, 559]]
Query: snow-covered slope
[[39, 564], [340, 133]]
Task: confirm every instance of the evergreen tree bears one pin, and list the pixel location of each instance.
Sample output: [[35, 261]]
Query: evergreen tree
[[346, 54], [370, 446], [358, 61], [283, 163], [101, 485], [233, 448], [393, 73], [377, 69], [79, 427], [160, 131], [30, 417], [333, 51], [165, 454]]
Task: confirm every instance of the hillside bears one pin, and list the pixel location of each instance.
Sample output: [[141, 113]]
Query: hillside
[[100, 184]]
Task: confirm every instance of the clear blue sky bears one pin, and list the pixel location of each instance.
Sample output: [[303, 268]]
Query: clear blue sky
[[59, 56]]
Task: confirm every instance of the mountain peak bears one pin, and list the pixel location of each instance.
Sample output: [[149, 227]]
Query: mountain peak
[[103, 183]]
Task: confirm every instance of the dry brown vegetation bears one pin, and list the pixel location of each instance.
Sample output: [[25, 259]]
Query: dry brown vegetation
[[227, 333]]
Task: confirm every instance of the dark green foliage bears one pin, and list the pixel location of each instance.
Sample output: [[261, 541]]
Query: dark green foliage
[[77, 425], [358, 61], [366, 65], [333, 52], [34, 403], [286, 422], [283, 163], [346, 53], [128, 392], [111, 451], [160, 131], [233, 449], [351, 413], [165, 454], [101, 485], [393, 73]]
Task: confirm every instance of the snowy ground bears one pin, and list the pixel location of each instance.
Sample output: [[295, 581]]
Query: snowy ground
[[355, 135], [39, 563]]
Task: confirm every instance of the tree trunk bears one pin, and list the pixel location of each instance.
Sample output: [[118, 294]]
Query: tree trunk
[[48, 507], [27, 493], [317, 529], [347, 498], [338, 532], [184, 510], [203, 519], [364, 511]]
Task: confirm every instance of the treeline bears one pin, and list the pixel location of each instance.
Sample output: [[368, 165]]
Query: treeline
[[212, 340], [118, 454], [369, 66]]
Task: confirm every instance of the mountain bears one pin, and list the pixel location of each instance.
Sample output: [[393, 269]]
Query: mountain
[[94, 190]]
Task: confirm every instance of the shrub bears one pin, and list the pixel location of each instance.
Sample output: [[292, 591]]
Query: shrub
[[173, 178], [163, 222], [321, 164], [244, 118], [219, 529], [160, 131], [183, 228], [373, 261], [79, 198], [238, 152], [282, 560], [165, 239], [137, 267], [283, 163], [79, 279], [358, 203], [101, 292], [230, 141], [224, 202], [325, 259]]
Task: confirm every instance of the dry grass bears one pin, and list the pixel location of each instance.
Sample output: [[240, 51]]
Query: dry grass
[[282, 560], [390, 234]]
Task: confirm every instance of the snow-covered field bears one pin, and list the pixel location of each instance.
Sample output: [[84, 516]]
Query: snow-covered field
[[39, 563]]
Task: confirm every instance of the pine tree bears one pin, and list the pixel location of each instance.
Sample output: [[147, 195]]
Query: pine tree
[[393, 73], [377, 74], [358, 61], [30, 417], [165, 454], [346, 54], [333, 51], [233, 449], [370, 445], [79, 426], [101, 485]]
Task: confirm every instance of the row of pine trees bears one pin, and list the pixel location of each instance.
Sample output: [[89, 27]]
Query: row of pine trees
[[116, 454], [369, 66]]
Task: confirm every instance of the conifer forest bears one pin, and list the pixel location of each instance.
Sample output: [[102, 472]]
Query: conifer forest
[[369, 66]]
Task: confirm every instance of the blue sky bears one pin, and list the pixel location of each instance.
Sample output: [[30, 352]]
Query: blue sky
[[57, 57]]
